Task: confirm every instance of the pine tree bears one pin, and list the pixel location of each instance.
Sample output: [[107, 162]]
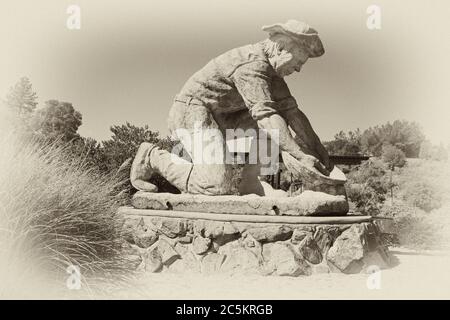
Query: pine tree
[[21, 98]]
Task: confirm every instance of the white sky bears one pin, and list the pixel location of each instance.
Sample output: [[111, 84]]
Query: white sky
[[131, 57]]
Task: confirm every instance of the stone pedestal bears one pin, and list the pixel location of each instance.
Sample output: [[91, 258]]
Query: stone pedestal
[[200, 242], [308, 203]]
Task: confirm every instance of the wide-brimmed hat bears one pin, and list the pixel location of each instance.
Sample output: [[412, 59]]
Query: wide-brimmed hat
[[300, 32]]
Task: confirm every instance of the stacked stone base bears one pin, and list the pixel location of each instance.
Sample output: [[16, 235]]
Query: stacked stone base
[[166, 241]]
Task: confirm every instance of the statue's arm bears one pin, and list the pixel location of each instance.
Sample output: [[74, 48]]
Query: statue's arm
[[300, 124], [276, 123], [264, 98]]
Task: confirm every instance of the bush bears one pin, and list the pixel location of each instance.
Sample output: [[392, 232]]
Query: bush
[[367, 186], [404, 135], [433, 152], [416, 229], [54, 212], [416, 232], [122, 148], [393, 157], [345, 143], [422, 195], [424, 184]]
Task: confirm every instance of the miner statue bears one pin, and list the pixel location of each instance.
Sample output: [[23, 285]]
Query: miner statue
[[243, 88]]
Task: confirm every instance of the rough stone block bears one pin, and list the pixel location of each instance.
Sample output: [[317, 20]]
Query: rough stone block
[[299, 234], [200, 245], [270, 233], [282, 259], [324, 238], [309, 203], [185, 239], [171, 228], [152, 260], [212, 262], [129, 228], [348, 250], [145, 235], [309, 250], [221, 232], [240, 260], [166, 252], [188, 262]]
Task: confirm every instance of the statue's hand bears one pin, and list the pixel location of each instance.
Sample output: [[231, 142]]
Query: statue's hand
[[313, 162], [324, 157], [309, 170], [329, 165], [307, 161]]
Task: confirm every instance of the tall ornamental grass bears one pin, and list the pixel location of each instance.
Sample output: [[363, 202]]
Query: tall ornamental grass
[[55, 212]]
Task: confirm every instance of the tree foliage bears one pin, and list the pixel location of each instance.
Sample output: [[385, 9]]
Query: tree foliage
[[123, 145], [424, 184], [21, 101], [433, 152], [90, 151], [422, 195], [405, 136], [125, 141], [368, 185], [21, 97], [57, 121], [345, 143], [393, 157]]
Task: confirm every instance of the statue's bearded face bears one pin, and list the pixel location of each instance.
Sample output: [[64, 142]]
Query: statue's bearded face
[[289, 59]]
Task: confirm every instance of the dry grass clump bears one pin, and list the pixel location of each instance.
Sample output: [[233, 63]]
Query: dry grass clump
[[55, 212]]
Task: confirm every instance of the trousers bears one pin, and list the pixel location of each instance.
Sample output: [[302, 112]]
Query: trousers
[[201, 135]]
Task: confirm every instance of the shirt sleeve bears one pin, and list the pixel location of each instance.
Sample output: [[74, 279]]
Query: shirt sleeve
[[263, 94]]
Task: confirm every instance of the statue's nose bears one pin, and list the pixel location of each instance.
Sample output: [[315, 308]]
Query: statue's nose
[[298, 68]]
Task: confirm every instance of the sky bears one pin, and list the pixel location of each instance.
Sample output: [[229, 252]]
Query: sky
[[130, 58]]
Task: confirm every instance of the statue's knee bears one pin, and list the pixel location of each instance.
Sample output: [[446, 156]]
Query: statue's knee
[[214, 177], [224, 182], [211, 180]]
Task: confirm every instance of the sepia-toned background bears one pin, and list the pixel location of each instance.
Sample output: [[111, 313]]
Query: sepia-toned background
[[126, 64], [130, 58]]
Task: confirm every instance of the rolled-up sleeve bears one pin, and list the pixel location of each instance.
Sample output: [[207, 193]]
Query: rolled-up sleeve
[[263, 93]]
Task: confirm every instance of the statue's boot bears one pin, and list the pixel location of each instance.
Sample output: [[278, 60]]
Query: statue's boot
[[150, 160], [141, 169]]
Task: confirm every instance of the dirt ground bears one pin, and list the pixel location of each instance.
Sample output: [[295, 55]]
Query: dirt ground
[[417, 275]]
